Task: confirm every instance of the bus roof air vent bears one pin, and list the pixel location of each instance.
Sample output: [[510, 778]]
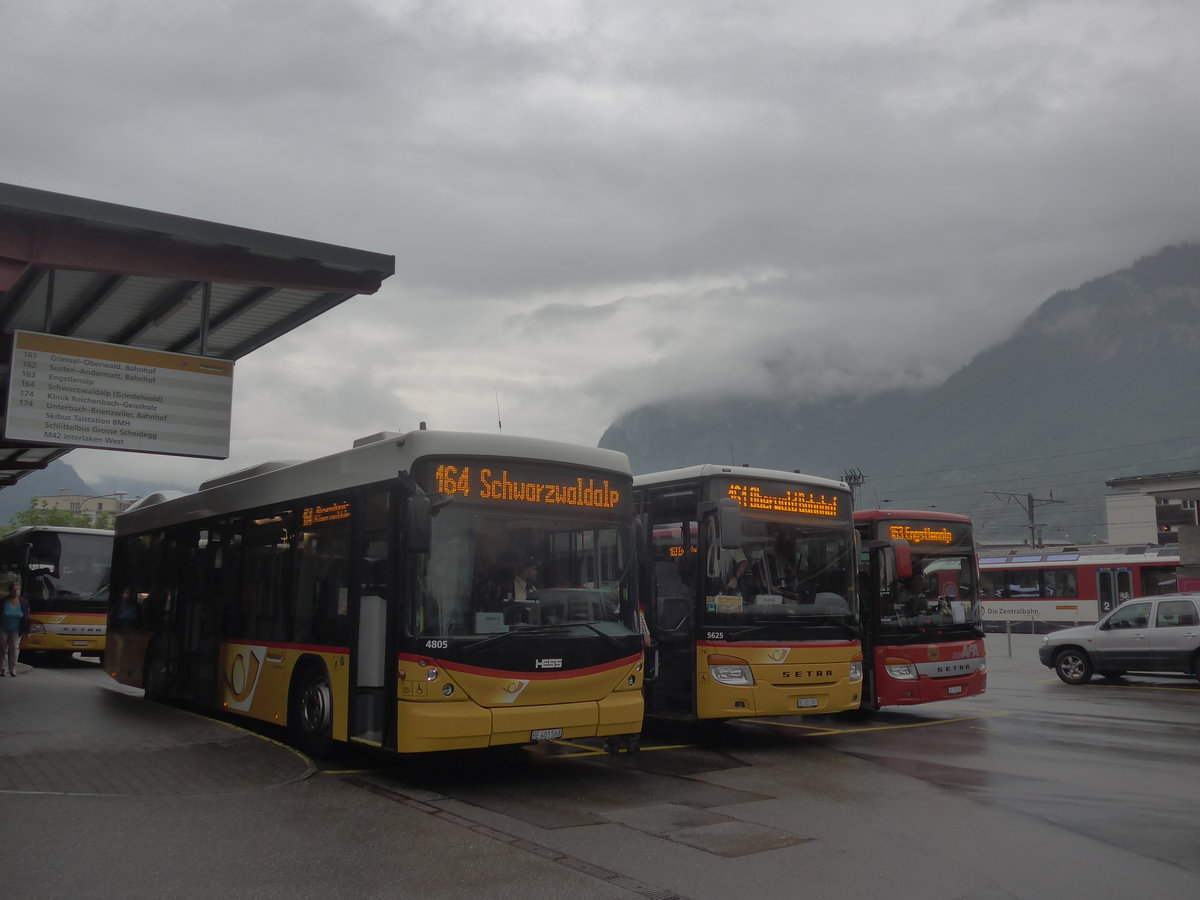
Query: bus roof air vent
[[250, 472], [376, 438], [152, 499]]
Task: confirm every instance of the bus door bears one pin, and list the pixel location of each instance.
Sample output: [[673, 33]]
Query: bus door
[[888, 563], [172, 600], [370, 718], [196, 625], [670, 678], [1114, 585]]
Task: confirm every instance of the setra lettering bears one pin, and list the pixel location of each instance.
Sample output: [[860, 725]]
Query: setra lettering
[[807, 674]]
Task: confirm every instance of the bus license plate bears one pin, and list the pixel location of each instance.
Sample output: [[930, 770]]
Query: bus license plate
[[545, 734], [957, 689], [79, 643], [808, 703]]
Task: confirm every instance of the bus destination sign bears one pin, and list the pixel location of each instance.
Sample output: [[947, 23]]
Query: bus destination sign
[[777, 497], [318, 515], [927, 534], [506, 482]]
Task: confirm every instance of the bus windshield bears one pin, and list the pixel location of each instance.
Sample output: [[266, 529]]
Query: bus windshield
[[942, 593], [489, 573], [66, 567], [780, 572]]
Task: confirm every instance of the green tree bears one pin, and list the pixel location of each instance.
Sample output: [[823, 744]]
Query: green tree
[[43, 516]]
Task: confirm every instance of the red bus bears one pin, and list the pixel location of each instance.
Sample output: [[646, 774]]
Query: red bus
[[1051, 587], [922, 620]]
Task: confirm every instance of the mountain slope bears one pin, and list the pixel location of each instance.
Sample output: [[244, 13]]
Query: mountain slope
[[1099, 381]]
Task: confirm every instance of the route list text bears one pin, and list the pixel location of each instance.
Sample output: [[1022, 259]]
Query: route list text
[[89, 394]]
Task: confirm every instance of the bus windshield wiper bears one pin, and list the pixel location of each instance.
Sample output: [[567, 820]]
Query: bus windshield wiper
[[612, 639], [515, 630]]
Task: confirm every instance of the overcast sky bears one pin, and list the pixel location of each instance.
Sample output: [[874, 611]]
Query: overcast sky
[[597, 204]]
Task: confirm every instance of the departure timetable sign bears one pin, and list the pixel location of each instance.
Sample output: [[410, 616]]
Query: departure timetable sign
[[782, 497], [75, 393], [503, 482]]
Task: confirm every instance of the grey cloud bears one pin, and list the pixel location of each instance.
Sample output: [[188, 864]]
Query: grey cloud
[[795, 186]]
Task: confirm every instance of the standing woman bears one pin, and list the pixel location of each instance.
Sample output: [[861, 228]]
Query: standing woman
[[14, 625]]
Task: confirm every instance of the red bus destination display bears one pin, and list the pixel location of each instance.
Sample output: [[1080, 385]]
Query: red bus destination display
[[925, 534]]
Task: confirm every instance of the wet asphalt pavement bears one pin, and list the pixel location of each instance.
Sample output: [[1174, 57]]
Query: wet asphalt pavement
[[1035, 789]]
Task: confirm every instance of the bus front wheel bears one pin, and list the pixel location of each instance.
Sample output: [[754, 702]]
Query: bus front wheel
[[310, 713]]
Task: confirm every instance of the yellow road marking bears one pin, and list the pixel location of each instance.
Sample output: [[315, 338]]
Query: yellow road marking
[[815, 732], [591, 751], [1144, 687], [1128, 687]]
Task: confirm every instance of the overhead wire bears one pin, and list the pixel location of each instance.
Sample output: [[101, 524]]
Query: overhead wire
[[1010, 515]]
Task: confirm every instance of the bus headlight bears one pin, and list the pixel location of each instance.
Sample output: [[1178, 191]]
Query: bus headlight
[[725, 673], [856, 670], [904, 671]]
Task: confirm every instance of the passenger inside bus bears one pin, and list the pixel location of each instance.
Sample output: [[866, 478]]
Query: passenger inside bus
[[128, 611], [913, 595], [525, 580], [738, 572]]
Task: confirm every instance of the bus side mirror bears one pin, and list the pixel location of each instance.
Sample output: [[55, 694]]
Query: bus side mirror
[[418, 524], [904, 566], [729, 514]]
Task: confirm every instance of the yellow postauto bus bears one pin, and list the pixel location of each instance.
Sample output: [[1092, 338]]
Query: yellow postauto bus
[[418, 592], [64, 576], [751, 586]]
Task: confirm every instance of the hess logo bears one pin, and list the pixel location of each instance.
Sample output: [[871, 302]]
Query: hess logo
[[547, 664]]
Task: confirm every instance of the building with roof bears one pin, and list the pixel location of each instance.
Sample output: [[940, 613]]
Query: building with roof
[[1151, 509]]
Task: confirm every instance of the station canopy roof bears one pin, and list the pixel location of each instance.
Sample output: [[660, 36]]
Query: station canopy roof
[[104, 272]]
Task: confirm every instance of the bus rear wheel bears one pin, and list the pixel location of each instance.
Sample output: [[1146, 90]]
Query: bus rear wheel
[[310, 712]]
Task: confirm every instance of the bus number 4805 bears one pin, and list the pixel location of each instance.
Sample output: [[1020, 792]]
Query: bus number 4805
[[436, 645]]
